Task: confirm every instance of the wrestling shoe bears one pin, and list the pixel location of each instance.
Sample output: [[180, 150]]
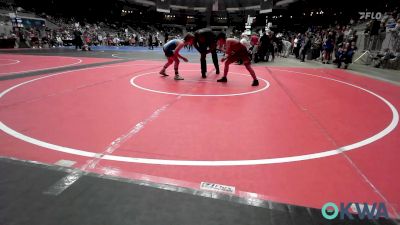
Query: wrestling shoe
[[177, 77], [255, 83], [223, 80], [163, 73]]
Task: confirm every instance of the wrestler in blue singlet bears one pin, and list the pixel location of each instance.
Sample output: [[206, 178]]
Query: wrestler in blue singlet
[[169, 47]]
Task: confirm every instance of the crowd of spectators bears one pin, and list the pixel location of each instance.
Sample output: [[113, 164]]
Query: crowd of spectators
[[83, 35], [314, 44], [382, 41], [335, 44]]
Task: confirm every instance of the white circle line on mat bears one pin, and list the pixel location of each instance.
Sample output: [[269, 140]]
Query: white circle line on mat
[[198, 95], [46, 68], [13, 63], [393, 124], [121, 57]]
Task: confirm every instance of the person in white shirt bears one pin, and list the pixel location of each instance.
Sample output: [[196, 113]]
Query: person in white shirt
[[245, 41]]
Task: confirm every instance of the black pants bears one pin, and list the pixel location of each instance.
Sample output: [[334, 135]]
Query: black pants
[[296, 52], [303, 53], [204, 63], [78, 43], [263, 53], [272, 51]]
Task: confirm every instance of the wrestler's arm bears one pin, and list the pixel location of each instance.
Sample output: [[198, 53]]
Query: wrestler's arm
[[178, 48]]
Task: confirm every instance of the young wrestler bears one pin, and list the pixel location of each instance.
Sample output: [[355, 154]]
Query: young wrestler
[[171, 51], [235, 51]]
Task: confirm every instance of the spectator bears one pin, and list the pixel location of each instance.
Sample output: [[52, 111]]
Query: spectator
[[78, 39], [254, 41], [150, 41], [297, 45], [272, 45], [345, 54], [287, 45], [263, 49], [373, 34], [316, 46], [305, 47], [328, 47]]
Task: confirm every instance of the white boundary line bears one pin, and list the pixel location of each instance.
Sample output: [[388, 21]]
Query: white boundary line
[[15, 62], [133, 58], [381, 134], [119, 57], [197, 95], [46, 68]]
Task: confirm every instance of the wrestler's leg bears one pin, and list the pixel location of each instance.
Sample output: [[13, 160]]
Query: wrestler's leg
[[170, 60]]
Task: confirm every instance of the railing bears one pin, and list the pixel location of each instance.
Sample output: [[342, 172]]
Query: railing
[[375, 50], [379, 43]]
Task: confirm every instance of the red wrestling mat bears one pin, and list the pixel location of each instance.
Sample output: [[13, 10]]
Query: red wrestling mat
[[304, 136], [12, 64]]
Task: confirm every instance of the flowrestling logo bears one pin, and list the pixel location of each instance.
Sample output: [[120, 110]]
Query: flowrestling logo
[[331, 211], [370, 15]]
